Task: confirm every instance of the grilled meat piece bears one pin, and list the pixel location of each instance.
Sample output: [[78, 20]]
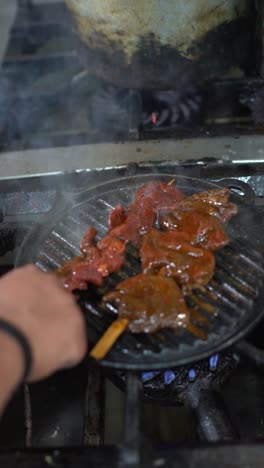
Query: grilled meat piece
[[113, 254], [203, 230], [213, 202], [140, 219], [163, 197], [141, 216], [68, 280], [88, 240], [117, 216], [97, 262], [168, 254], [150, 303]]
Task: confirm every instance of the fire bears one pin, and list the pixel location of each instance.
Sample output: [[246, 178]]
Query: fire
[[154, 118]]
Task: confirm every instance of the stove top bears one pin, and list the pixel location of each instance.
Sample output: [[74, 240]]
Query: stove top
[[151, 416]]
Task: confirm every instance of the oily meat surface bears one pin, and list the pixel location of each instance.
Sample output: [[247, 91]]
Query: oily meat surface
[[202, 229], [98, 260], [213, 202], [140, 219], [151, 199], [168, 254], [117, 216], [150, 303], [191, 230], [162, 196]]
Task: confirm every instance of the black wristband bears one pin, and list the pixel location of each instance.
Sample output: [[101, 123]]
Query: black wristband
[[20, 338]]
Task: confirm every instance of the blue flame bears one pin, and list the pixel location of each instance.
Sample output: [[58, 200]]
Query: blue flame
[[146, 376], [213, 362], [169, 376], [192, 374]]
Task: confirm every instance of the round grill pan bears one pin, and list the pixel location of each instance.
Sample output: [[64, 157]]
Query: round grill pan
[[235, 292]]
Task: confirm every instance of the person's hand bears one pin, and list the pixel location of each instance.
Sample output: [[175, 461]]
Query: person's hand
[[48, 316]]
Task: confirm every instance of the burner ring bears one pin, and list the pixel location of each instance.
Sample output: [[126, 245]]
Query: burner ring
[[175, 385]]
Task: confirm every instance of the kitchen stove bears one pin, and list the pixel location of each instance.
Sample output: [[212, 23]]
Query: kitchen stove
[[83, 407], [63, 130]]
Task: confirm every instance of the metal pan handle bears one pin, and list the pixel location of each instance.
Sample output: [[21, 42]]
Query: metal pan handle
[[250, 352], [241, 188]]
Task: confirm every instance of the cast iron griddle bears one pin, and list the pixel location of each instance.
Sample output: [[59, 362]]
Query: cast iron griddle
[[235, 292]]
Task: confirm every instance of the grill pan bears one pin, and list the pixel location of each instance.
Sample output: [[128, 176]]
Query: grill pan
[[235, 292]]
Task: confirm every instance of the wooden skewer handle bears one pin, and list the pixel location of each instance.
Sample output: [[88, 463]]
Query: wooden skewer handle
[[108, 339]]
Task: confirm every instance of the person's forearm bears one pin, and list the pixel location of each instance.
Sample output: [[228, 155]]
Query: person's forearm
[[11, 368]]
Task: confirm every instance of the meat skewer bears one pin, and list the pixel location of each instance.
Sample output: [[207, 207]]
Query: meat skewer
[[146, 304], [149, 303]]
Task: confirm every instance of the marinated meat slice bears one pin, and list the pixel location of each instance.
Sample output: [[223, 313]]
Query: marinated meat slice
[[78, 272], [141, 216], [97, 262], [213, 202], [163, 197], [204, 230], [117, 216], [107, 255], [66, 277], [167, 254], [88, 240], [73, 284], [113, 254], [84, 271], [150, 303], [140, 219]]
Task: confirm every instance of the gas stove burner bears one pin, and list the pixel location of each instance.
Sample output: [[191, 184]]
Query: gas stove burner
[[169, 376], [112, 107], [171, 108], [176, 385]]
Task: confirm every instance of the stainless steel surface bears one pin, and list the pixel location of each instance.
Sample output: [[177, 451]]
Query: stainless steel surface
[[23, 163]]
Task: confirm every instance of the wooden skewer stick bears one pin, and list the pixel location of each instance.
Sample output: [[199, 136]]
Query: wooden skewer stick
[[171, 182], [108, 339]]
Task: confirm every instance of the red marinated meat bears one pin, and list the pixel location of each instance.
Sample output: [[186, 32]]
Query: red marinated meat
[[117, 216], [163, 197], [65, 274], [88, 239], [204, 230], [113, 254], [213, 202], [140, 219], [141, 216], [97, 262], [168, 254], [150, 303], [107, 255]]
